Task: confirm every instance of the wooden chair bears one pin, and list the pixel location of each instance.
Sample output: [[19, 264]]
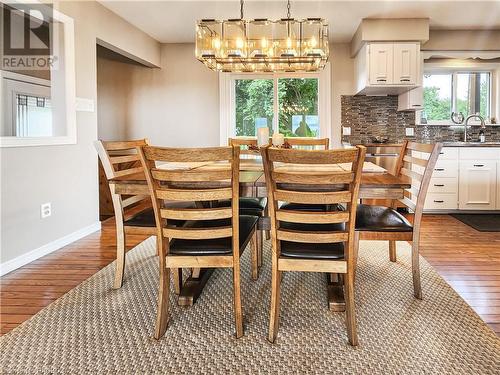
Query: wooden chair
[[312, 241], [212, 237], [120, 161], [385, 223], [251, 205], [310, 143], [133, 214]]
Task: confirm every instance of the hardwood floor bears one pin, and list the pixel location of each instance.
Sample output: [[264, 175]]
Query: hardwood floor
[[468, 260]]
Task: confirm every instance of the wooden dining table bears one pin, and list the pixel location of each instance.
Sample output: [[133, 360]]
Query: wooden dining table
[[376, 183]]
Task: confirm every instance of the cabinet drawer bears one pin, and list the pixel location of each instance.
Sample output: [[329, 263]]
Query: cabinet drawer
[[448, 153], [436, 201], [477, 153], [446, 168], [443, 185]]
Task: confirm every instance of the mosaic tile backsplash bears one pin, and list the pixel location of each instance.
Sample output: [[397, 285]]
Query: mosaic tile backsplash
[[377, 116]]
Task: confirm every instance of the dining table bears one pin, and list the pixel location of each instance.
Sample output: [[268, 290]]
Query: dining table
[[376, 183]]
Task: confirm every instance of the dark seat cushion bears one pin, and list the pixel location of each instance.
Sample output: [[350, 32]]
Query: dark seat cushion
[[215, 246], [380, 219], [310, 207], [247, 203], [301, 250], [147, 218]]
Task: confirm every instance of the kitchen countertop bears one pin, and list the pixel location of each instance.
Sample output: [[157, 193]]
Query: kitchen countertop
[[445, 144], [471, 144]]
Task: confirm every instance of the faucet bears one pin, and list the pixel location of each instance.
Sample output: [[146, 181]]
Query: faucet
[[476, 115]]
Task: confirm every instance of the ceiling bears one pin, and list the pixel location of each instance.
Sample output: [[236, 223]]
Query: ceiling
[[173, 21]]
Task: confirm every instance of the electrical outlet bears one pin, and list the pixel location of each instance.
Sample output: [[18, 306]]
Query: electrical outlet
[[45, 210], [346, 130], [410, 132]]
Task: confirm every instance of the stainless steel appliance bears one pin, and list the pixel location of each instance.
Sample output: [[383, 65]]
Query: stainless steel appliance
[[385, 155]]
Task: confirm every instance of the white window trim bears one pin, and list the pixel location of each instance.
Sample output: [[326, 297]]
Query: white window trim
[[70, 97], [450, 66], [227, 108]]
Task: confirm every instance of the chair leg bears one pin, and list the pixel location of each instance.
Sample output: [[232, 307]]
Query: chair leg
[[177, 276], [350, 310], [254, 255], [162, 315], [120, 256], [392, 251], [415, 265], [260, 246], [355, 255], [275, 301], [266, 214], [238, 314]]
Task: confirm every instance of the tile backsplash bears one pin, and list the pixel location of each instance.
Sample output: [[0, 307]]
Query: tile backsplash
[[377, 116]]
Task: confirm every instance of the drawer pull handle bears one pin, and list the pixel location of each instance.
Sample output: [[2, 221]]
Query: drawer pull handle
[[404, 80], [381, 80], [439, 185], [441, 153], [435, 201], [479, 165], [439, 169]]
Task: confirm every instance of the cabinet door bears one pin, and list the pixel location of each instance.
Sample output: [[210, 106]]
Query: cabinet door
[[381, 63], [498, 185], [477, 185], [405, 63]]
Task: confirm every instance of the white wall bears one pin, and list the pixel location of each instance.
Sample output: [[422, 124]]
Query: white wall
[[64, 175]]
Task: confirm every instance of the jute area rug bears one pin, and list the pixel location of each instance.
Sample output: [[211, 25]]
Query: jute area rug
[[96, 330]]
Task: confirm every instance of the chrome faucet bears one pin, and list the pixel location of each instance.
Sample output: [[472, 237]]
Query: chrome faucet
[[476, 115]]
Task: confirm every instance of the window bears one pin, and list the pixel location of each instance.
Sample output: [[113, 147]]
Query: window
[[447, 92], [33, 116], [296, 105]]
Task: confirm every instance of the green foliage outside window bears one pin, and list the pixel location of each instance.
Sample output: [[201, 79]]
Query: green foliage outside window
[[296, 97]]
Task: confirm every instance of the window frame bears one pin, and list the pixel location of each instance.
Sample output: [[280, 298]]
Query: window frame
[[68, 80], [227, 106], [461, 66]]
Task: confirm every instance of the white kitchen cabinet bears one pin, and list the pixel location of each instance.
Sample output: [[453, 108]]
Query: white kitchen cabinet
[[498, 183], [412, 100], [388, 68], [477, 185], [405, 63], [381, 63]]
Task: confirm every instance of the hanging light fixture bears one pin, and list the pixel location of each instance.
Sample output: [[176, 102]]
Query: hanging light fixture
[[261, 45]]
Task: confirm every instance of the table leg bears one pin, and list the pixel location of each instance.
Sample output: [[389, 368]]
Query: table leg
[[335, 288], [193, 286]]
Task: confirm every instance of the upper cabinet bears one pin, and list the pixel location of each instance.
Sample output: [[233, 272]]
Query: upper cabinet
[[381, 63], [388, 68]]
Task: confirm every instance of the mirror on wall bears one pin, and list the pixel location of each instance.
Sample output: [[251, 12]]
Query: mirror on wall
[[36, 76]]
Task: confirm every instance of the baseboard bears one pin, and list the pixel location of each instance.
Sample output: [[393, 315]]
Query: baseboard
[[35, 254]]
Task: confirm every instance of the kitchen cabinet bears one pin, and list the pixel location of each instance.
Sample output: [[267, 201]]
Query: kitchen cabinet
[[412, 100], [465, 178], [388, 68], [498, 182], [477, 185], [405, 63], [381, 63]]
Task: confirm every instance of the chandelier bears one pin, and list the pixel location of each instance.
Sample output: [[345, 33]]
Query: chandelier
[[261, 45]]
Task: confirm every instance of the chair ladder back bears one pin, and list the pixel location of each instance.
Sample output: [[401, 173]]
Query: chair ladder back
[[120, 159], [244, 144], [289, 179], [168, 184], [417, 162], [308, 143]]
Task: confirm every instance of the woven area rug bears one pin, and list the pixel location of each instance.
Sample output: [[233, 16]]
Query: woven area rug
[[96, 330]]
